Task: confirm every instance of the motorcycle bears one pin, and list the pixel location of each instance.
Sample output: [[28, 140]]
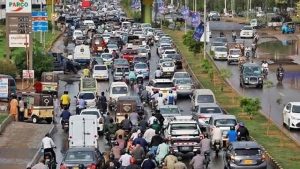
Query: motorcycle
[[217, 147], [206, 159], [131, 83], [110, 139], [280, 77], [49, 160], [265, 72], [66, 126], [140, 80]]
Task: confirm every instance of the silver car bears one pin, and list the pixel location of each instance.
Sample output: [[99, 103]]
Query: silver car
[[169, 112], [184, 86]]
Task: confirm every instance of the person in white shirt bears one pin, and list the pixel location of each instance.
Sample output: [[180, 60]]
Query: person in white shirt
[[135, 134], [149, 133], [216, 135], [48, 145], [125, 159], [157, 73], [40, 165], [265, 66], [151, 119], [160, 101]]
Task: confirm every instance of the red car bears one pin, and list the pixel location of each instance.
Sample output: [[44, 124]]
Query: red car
[[129, 54]]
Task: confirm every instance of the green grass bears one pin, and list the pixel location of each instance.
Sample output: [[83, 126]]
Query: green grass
[[281, 148], [2, 117]]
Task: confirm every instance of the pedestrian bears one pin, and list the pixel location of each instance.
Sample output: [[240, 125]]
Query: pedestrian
[[48, 145], [40, 165], [21, 109], [179, 164], [125, 160], [170, 160], [13, 107], [149, 162], [162, 150], [56, 105], [197, 161], [38, 87]]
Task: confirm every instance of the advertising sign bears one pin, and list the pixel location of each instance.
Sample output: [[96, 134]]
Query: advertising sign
[[28, 74], [18, 6], [3, 87], [18, 40]]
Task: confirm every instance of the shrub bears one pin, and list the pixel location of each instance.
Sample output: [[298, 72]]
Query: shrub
[[8, 67], [250, 105], [206, 66]]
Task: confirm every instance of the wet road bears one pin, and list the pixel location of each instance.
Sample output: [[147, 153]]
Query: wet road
[[60, 137], [287, 92]]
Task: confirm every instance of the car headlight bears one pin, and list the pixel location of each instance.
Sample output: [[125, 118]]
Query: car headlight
[[259, 78], [246, 78]]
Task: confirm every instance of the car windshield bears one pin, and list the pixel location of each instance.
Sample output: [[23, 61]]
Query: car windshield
[[167, 110], [225, 122], [87, 96], [184, 126], [247, 152], [170, 52], [90, 113], [183, 81], [121, 62], [122, 70], [142, 50], [220, 49], [140, 59], [112, 46], [106, 56], [100, 67], [119, 90], [247, 28], [209, 110], [221, 39], [140, 66], [168, 64], [181, 75], [205, 99], [164, 85], [234, 52], [252, 70], [79, 156], [296, 109]]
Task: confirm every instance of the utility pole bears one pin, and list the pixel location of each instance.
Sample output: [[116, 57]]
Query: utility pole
[[204, 47], [225, 8], [248, 4], [52, 16], [185, 4]]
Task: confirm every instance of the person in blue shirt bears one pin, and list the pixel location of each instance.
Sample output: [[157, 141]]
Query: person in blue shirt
[[171, 98], [232, 135], [65, 115], [141, 141], [132, 75]]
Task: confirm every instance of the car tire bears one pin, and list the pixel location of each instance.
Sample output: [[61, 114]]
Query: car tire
[[49, 120], [35, 119]]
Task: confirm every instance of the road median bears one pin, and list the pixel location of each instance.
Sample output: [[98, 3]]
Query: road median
[[281, 148]]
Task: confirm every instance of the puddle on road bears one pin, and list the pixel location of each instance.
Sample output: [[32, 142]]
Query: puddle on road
[[285, 52]]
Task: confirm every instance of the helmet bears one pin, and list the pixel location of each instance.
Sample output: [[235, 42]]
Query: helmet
[[241, 124]]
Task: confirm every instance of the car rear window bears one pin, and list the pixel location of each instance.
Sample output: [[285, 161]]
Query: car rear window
[[87, 96], [164, 85], [225, 122], [205, 99], [181, 75], [100, 67], [184, 126], [91, 113], [210, 110], [140, 59], [119, 90], [247, 152], [183, 81], [168, 64], [141, 66], [166, 111], [79, 156]]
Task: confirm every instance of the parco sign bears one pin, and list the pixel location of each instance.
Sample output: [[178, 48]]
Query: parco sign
[[18, 6]]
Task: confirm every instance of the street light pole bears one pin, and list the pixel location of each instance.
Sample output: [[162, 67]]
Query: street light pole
[[52, 16], [225, 8], [204, 47]]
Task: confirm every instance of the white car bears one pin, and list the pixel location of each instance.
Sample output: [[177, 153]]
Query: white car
[[143, 52], [100, 118], [162, 47], [234, 55], [291, 115], [117, 89], [161, 61], [107, 58], [100, 72], [168, 69], [247, 32], [89, 97], [145, 46], [76, 34], [220, 53], [168, 51], [161, 85], [112, 47]]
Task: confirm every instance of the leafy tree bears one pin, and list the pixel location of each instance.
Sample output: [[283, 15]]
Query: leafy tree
[[193, 45], [250, 105], [8, 67], [206, 66]]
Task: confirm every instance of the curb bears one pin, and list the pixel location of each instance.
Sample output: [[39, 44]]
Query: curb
[[55, 40], [5, 123], [38, 154]]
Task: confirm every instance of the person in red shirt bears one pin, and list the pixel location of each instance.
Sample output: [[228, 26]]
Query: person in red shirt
[[38, 87]]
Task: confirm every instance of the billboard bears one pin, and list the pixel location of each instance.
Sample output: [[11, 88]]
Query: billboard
[[18, 6], [3, 87], [18, 40]]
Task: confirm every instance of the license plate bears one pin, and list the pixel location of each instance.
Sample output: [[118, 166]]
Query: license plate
[[185, 148], [164, 91], [248, 162], [75, 167], [168, 73]]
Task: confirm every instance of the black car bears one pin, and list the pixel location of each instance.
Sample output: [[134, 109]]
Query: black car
[[251, 75], [214, 18], [90, 157], [177, 58], [244, 155]]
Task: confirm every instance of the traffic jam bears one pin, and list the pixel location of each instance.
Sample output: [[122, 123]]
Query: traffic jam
[[140, 116]]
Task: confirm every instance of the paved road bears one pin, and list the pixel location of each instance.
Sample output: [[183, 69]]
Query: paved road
[[287, 92], [60, 137]]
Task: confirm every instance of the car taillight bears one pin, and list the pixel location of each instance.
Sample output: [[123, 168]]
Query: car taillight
[[174, 88], [62, 166], [202, 117], [155, 89], [92, 166]]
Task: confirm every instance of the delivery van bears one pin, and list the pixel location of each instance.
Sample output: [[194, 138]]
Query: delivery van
[[82, 55], [83, 131]]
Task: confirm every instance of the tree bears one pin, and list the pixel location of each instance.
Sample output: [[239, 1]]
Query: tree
[[250, 105], [193, 45], [8, 67]]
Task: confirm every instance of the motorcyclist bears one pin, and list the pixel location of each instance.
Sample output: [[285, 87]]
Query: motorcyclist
[[279, 70], [110, 129], [126, 123], [111, 163], [233, 35], [65, 115], [197, 161], [48, 145], [232, 135], [65, 100], [86, 72], [132, 76], [144, 94], [140, 77], [171, 98], [154, 98], [216, 135], [94, 62], [221, 34], [205, 144], [265, 66], [157, 73], [242, 132], [81, 104], [160, 101]]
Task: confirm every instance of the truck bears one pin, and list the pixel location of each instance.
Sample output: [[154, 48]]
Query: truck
[[83, 131], [82, 54]]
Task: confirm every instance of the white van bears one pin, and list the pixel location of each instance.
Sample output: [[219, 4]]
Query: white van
[[83, 131], [89, 23], [202, 96], [126, 25], [118, 89], [76, 34], [82, 54]]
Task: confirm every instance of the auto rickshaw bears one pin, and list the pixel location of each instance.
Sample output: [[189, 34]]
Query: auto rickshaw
[[125, 105], [49, 82], [288, 27], [38, 107], [88, 84]]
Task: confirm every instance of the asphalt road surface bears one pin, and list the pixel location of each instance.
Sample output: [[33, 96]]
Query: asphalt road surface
[[60, 138]]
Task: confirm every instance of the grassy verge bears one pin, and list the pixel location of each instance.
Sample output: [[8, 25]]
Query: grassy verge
[[2, 117], [281, 148]]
